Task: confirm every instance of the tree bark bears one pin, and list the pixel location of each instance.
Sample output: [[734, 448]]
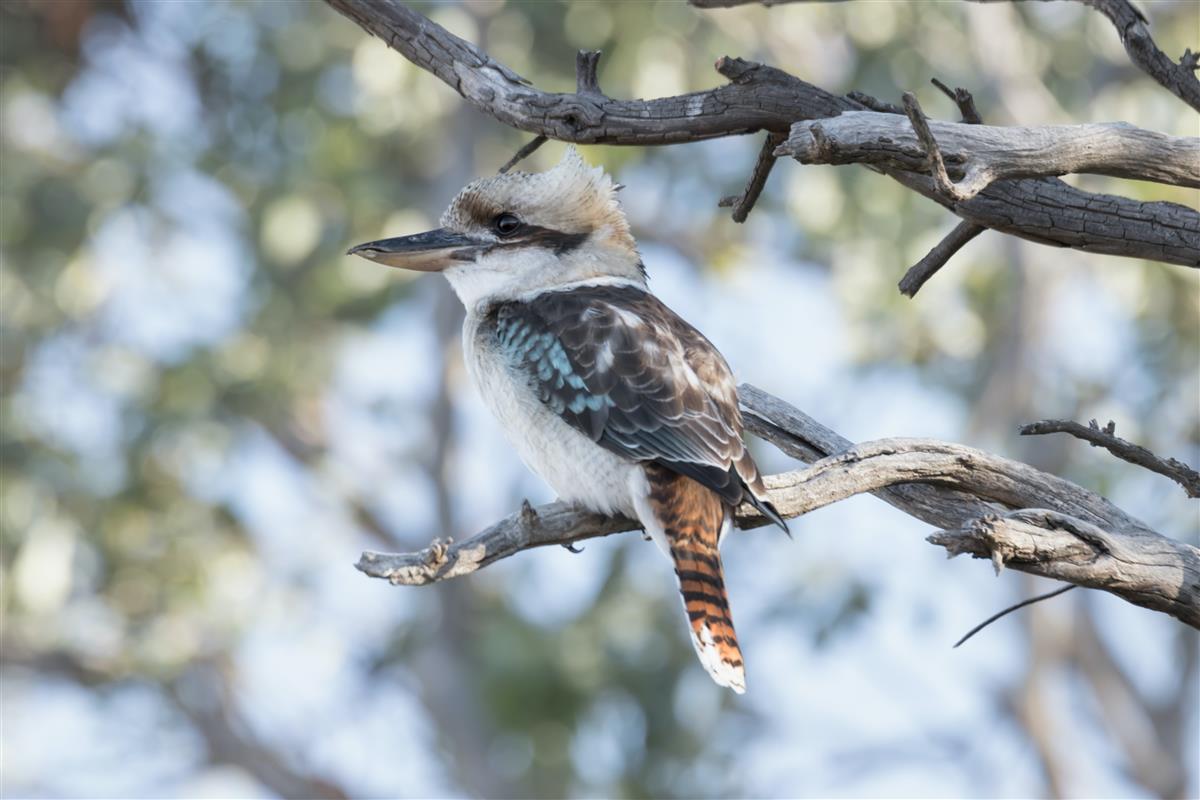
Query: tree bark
[[759, 97], [978, 155], [989, 507]]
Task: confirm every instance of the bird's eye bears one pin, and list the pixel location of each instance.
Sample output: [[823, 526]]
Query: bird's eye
[[506, 224]]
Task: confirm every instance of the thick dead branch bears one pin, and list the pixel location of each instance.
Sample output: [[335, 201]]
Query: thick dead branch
[[758, 98], [1106, 437], [1133, 28], [950, 485], [1146, 569], [936, 258], [978, 155]]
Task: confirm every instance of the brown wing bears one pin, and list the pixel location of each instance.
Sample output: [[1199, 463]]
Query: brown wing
[[621, 367]]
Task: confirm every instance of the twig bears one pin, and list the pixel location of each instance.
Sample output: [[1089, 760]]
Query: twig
[[743, 203], [936, 258], [963, 99], [523, 153], [1106, 437], [1012, 608], [586, 64], [874, 103], [937, 167]]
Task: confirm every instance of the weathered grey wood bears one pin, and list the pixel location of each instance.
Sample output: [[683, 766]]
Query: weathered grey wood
[[953, 486], [802, 437], [759, 97], [1146, 569], [978, 155], [1132, 27]]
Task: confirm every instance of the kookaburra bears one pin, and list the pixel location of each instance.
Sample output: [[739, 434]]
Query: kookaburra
[[618, 403]]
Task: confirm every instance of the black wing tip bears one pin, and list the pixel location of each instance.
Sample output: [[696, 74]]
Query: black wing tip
[[769, 511]]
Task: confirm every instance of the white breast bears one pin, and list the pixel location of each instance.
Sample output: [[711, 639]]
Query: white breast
[[577, 468]]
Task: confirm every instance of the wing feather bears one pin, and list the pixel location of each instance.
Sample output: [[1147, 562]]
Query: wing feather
[[625, 370]]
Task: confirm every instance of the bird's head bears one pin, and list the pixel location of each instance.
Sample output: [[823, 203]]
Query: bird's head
[[518, 233]]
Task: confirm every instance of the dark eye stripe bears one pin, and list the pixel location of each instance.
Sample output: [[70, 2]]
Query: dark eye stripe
[[537, 236]]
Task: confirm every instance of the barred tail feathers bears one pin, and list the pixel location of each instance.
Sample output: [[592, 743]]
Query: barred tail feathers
[[687, 520]]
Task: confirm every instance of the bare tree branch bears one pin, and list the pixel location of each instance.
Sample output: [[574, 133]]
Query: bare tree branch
[[758, 98], [1082, 538], [1133, 28], [963, 232], [936, 258], [963, 99], [525, 151], [977, 155], [743, 203], [1146, 569], [934, 163], [1106, 437]]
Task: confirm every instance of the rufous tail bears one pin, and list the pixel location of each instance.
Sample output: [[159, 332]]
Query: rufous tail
[[691, 518]]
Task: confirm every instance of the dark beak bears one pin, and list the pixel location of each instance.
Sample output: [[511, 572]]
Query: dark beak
[[431, 251]]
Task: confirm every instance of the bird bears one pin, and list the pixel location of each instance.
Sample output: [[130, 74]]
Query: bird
[[617, 402]]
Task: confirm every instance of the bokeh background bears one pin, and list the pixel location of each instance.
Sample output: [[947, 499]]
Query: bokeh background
[[209, 411]]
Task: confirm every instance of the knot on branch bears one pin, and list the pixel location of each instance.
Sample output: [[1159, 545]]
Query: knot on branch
[[425, 566], [935, 164], [978, 538], [529, 517], [736, 69], [1055, 543]]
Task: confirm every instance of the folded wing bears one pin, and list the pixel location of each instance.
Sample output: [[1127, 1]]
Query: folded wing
[[621, 367]]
